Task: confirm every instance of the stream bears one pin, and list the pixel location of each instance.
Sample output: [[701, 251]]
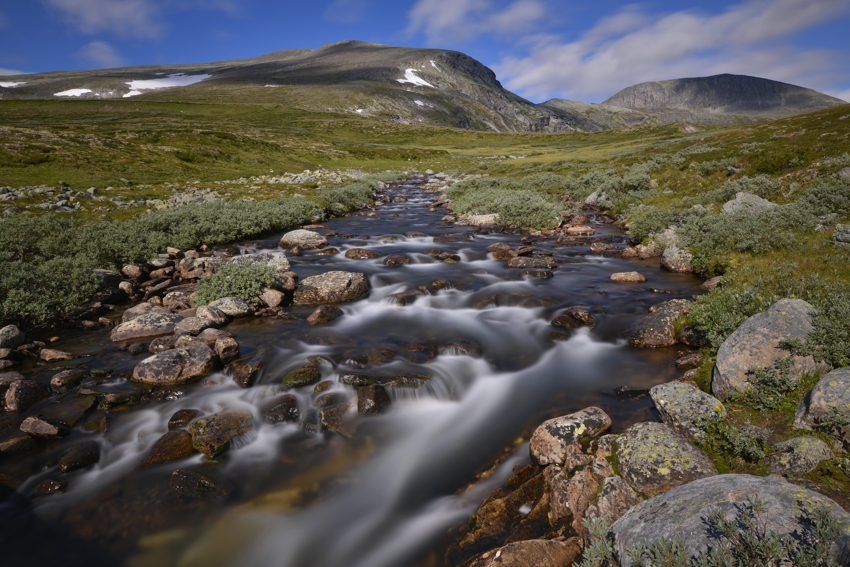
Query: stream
[[490, 368]]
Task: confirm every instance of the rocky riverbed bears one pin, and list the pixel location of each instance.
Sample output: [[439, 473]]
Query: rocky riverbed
[[354, 418]]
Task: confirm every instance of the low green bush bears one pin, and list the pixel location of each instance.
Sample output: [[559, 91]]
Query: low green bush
[[516, 202], [245, 280]]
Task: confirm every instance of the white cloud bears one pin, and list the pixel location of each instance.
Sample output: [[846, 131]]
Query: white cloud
[[462, 20], [346, 11], [633, 46], [101, 54], [137, 18]]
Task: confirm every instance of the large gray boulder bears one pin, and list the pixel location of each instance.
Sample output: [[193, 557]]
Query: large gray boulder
[[799, 455], [145, 327], [233, 306], [658, 328], [331, 287], [685, 408], [747, 202], [681, 513], [274, 259], [306, 239], [176, 366], [11, 337], [653, 459], [615, 499], [829, 397], [678, 260], [550, 440], [754, 345]]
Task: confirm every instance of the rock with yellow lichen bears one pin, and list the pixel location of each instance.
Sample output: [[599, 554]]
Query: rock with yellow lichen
[[686, 408]]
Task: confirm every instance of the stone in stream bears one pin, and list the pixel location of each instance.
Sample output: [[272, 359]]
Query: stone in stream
[[282, 410], [246, 371], [678, 260], [628, 277], [233, 307], [498, 246], [580, 231], [7, 378], [683, 512], [80, 456], [306, 239], [182, 418], [162, 344], [540, 274], [173, 446], [574, 317], [51, 486], [396, 260], [685, 408], [361, 254], [195, 485], [226, 348], [24, 393], [328, 252], [372, 400], [305, 375], [798, 456], [17, 445], [658, 328], [653, 459], [272, 297], [504, 255], [216, 316], [176, 366], [192, 326], [536, 262], [53, 355], [42, 428], [828, 401], [211, 435], [755, 344], [324, 314], [550, 440], [141, 309], [146, 326], [11, 337], [530, 553], [332, 287], [338, 419]]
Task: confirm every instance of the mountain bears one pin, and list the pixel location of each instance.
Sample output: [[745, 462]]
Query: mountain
[[430, 86]]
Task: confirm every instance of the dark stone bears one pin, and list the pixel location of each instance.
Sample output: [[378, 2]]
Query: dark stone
[[195, 485], [80, 456], [50, 486], [162, 344], [324, 314], [372, 400], [657, 329], [537, 262], [246, 371], [226, 348], [24, 393], [177, 366], [211, 435], [173, 446], [331, 399], [332, 287], [43, 428], [182, 418], [693, 336], [396, 260], [338, 419], [17, 445], [281, 410], [361, 254], [540, 274], [11, 337], [303, 376]]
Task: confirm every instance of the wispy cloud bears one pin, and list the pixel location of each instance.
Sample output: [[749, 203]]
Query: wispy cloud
[[346, 11], [456, 21], [136, 18], [100, 54], [4, 72], [634, 46]]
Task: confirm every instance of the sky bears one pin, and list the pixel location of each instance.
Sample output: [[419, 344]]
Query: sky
[[540, 49]]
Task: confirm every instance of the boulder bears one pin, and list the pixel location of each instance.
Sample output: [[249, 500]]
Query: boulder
[[338, 419], [534, 262], [80, 456], [276, 260], [799, 455], [17, 445], [754, 345], [233, 306], [24, 393], [213, 314], [145, 327], [53, 355], [162, 344], [272, 297], [531, 553], [178, 300], [211, 435], [574, 317], [746, 202], [549, 441], [361, 254], [829, 398], [38, 427], [628, 277], [396, 260], [226, 348], [11, 337], [306, 239], [176, 366], [182, 418], [675, 259], [173, 446], [324, 314], [580, 230], [141, 309], [658, 328], [7, 378], [246, 371], [570, 495], [651, 250], [615, 499], [841, 236], [332, 287], [684, 408], [63, 381], [192, 326], [372, 400], [305, 375], [682, 513], [282, 410], [653, 459]]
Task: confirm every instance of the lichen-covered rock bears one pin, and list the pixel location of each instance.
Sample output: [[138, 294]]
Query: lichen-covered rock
[[570, 495], [282, 409], [658, 328], [211, 435], [146, 326], [276, 260], [549, 441], [141, 309], [22, 394], [305, 375], [755, 345], [11, 337], [746, 202], [192, 326], [841, 236], [675, 259], [176, 366], [531, 553], [628, 277], [615, 499], [332, 287], [216, 316], [324, 314], [246, 371], [653, 459], [361, 254], [306, 239], [233, 306], [829, 397], [574, 317], [799, 455], [63, 381], [536, 262], [682, 512], [685, 408], [173, 446]]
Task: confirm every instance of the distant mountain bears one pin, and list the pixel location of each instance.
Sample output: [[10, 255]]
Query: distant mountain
[[431, 86]]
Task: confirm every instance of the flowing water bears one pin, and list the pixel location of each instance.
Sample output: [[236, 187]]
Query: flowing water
[[301, 496]]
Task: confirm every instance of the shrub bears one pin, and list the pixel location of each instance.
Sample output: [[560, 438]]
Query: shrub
[[514, 203], [781, 159], [748, 442], [769, 385], [245, 280]]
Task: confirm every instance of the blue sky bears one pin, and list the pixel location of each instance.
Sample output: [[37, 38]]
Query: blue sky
[[538, 48]]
